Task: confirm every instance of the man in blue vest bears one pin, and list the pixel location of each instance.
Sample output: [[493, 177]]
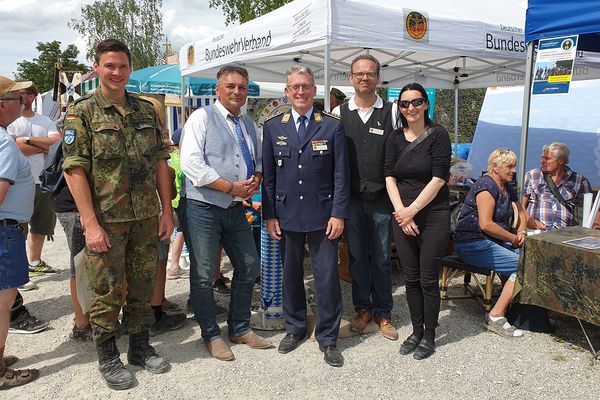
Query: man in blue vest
[[221, 160], [305, 197]]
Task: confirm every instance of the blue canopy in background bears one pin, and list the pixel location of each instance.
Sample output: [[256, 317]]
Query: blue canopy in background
[[551, 18], [166, 79]]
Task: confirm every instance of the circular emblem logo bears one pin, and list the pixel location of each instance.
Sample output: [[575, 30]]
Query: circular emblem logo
[[190, 54], [567, 44], [416, 25]]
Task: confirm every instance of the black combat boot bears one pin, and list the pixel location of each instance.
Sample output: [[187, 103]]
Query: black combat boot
[[142, 354], [112, 369]]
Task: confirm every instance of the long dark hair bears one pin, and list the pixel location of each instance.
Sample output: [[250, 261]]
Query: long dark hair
[[401, 122]]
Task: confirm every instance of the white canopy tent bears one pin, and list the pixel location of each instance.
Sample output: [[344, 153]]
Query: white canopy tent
[[438, 43]]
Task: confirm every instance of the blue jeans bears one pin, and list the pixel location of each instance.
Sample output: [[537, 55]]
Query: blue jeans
[[368, 233], [500, 258], [205, 226], [14, 270]]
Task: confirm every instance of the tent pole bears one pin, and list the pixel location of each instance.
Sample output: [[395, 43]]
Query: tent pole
[[455, 120], [182, 102], [327, 81], [525, 121]]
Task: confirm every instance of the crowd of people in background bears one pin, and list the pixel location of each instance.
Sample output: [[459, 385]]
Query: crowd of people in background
[[369, 170]]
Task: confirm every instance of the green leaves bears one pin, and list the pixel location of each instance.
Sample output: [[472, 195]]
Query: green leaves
[[245, 10], [40, 70], [137, 23]]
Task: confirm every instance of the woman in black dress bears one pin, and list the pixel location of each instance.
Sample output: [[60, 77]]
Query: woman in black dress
[[416, 183]]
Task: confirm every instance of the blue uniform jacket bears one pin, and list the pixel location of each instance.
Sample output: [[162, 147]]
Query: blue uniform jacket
[[305, 182]]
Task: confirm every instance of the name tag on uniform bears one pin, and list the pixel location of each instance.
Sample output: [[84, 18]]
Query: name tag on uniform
[[376, 131], [319, 145]]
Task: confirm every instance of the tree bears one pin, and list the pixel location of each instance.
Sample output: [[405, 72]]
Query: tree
[[469, 107], [137, 23], [245, 10], [41, 69]]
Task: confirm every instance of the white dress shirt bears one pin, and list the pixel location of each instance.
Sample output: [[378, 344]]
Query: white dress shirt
[[193, 137], [366, 114]]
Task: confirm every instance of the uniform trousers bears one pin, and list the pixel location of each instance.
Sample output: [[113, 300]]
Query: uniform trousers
[[133, 256], [421, 259], [324, 260]]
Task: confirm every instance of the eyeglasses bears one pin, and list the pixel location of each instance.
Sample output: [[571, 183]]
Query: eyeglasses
[[20, 99], [415, 102], [295, 88], [360, 75]]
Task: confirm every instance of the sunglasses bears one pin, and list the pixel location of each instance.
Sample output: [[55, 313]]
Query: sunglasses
[[415, 102]]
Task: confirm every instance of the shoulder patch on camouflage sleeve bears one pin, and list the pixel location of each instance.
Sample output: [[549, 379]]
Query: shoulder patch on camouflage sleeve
[[69, 136]]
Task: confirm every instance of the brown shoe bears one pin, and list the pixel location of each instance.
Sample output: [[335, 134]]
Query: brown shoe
[[252, 340], [219, 350], [13, 377], [386, 328], [360, 320]]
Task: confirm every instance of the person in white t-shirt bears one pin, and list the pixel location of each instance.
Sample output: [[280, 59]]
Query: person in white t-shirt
[[34, 134]]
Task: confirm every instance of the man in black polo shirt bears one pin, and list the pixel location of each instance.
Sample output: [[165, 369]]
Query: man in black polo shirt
[[367, 122]]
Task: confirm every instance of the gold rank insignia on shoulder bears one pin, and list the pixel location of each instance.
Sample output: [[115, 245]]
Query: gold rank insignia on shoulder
[[318, 117], [274, 116], [332, 115], [286, 118]]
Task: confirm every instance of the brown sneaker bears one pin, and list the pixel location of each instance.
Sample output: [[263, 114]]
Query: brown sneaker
[[360, 320], [252, 340], [219, 350], [386, 328]]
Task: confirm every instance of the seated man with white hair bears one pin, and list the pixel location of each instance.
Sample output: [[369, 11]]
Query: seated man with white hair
[[550, 193]]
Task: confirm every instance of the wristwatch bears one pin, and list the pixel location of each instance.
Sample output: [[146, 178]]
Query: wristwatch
[[28, 139]]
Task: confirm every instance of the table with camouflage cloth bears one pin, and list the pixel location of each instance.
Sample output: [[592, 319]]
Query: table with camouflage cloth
[[560, 277]]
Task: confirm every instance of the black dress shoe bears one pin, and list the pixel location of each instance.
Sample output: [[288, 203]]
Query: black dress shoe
[[410, 344], [332, 356], [425, 349], [289, 343]]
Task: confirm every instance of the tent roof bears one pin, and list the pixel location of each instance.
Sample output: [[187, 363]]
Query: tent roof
[[451, 41], [552, 18], [166, 79]]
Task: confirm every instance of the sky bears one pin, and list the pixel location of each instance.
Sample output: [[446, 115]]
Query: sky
[[23, 23]]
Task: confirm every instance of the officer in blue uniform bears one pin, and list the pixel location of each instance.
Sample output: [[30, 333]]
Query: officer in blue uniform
[[305, 197]]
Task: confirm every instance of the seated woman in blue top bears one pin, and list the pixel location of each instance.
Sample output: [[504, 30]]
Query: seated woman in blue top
[[482, 234]]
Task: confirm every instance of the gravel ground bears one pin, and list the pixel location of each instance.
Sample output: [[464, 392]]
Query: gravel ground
[[469, 362]]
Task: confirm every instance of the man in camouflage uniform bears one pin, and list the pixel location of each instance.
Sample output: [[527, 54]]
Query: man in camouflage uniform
[[115, 162]]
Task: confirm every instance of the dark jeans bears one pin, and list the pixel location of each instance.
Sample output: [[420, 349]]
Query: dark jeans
[[205, 226], [368, 234], [421, 259]]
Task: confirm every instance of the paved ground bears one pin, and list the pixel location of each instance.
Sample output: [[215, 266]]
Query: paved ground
[[469, 363]]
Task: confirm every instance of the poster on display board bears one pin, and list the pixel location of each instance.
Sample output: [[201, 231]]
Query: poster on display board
[[554, 65], [393, 94]]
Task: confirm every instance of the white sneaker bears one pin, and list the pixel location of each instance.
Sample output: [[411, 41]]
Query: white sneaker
[[28, 286]]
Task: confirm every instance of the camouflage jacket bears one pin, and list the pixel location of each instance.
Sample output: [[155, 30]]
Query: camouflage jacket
[[118, 147]]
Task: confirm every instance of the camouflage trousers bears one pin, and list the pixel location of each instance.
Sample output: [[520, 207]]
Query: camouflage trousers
[[133, 258]]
